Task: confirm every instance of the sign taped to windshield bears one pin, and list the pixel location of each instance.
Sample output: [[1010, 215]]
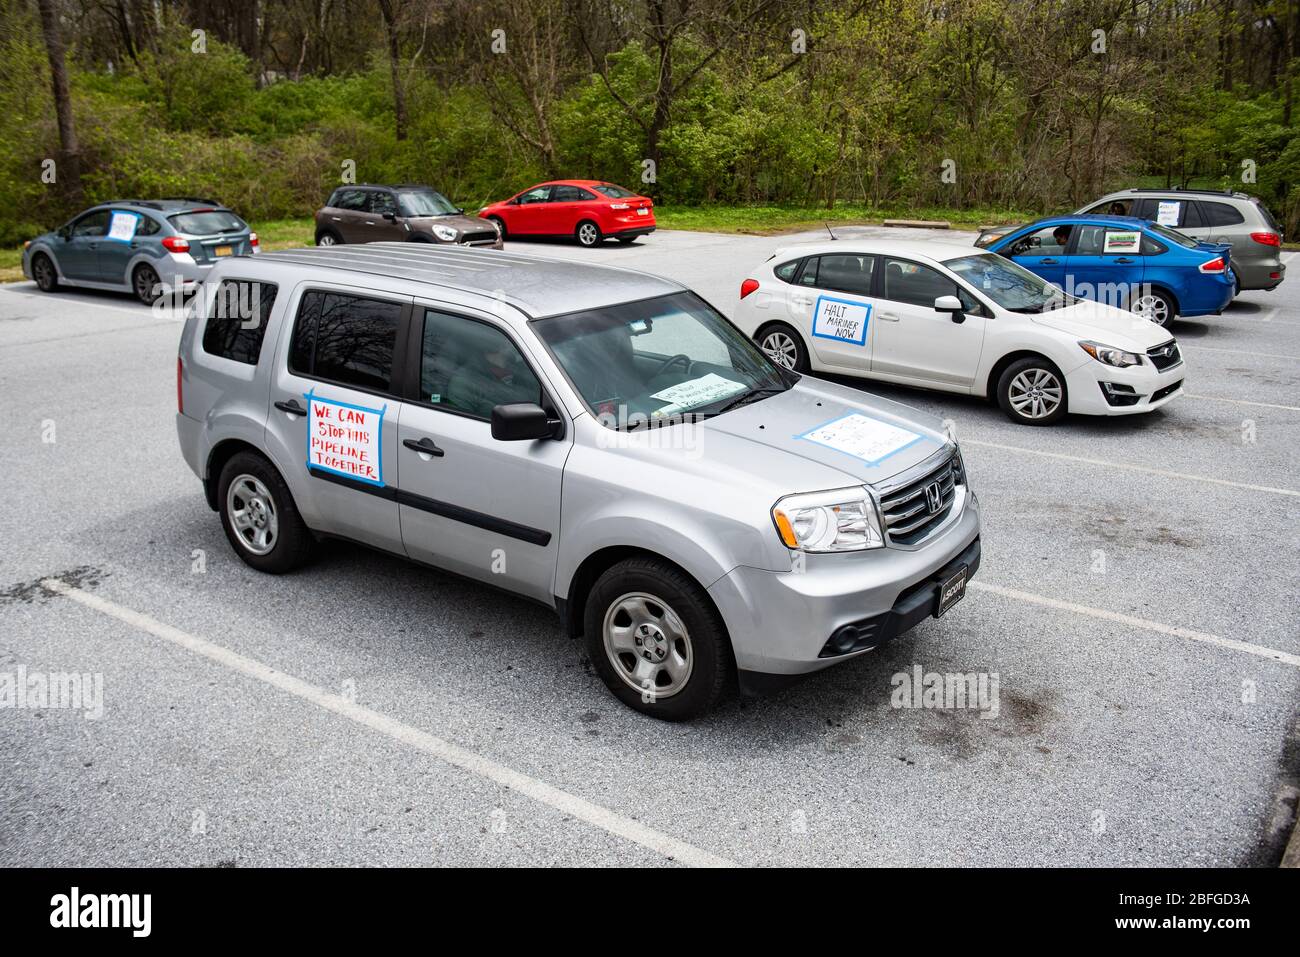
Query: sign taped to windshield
[[862, 437], [697, 392], [841, 319]]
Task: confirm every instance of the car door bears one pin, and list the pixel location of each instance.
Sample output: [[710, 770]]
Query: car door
[[350, 205], [531, 215], [333, 421], [567, 206], [121, 243], [383, 222], [472, 504], [78, 255], [1042, 251], [832, 304], [915, 343], [1105, 264]]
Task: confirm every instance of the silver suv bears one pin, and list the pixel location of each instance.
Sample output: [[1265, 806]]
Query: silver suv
[[599, 440], [1211, 216]]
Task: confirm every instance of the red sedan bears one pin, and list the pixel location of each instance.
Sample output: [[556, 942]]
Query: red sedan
[[588, 210]]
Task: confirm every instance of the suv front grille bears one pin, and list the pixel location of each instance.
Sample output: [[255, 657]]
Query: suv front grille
[[913, 511], [1165, 356]]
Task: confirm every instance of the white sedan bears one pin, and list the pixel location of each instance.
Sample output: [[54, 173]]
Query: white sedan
[[941, 316]]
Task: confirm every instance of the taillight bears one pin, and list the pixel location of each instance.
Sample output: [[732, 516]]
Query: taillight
[[174, 244], [1267, 239], [180, 396], [252, 239], [1214, 265], [748, 286]]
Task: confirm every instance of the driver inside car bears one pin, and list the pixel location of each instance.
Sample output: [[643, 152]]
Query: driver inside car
[[491, 377]]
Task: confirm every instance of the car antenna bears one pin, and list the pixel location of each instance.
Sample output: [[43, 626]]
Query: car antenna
[[828, 229]]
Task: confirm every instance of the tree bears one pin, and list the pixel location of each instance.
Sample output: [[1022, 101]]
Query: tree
[[69, 166]]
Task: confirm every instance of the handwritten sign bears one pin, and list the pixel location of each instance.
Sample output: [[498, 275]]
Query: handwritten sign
[[1167, 212], [696, 392], [345, 439], [841, 320], [862, 437], [1122, 242], [122, 227]]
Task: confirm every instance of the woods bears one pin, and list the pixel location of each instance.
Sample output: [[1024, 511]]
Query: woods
[[969, 103]]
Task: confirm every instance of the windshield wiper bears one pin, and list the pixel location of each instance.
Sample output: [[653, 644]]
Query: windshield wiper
[[753, 395]]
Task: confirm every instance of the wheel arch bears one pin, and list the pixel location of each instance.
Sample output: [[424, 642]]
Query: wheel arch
[[999, 367], [220, 454]]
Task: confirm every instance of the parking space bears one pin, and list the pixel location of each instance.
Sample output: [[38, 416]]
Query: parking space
[[1136, 602]]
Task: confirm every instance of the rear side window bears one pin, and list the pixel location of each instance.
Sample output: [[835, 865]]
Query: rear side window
[[345, 339], [354, 199], [148, 226], [785, 272], [1220, 214], [237, 320], [570, 194], [207, 222]]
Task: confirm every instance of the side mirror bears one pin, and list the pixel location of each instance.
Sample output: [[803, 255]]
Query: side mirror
[[514, 202], [65, 233], [952, 306], [460, 210], [520, 421]]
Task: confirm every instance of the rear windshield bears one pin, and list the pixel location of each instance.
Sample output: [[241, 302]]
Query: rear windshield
[[207, 222], [1268, 216], [1164, 232], [614, 192]]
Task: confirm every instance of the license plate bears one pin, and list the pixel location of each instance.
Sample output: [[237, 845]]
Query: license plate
[[223, 250], [643, 211], [950, 592]]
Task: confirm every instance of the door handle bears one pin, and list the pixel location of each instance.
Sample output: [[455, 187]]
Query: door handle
[[292, 407], [887, 317], [1123, 259], [424, 446], [337, 219], [1049, 261]]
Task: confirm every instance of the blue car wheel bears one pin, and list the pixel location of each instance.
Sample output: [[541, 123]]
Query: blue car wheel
[[1157, 307]]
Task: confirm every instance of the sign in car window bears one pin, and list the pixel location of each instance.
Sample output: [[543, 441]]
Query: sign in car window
[[1167, 212], [345, 439], [122, 227], [694, 393], [861, 436], [1122, 242], [841, 319]]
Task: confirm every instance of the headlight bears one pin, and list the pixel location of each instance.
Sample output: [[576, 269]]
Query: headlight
[[841, 520], [446, 233], [1110, 355]]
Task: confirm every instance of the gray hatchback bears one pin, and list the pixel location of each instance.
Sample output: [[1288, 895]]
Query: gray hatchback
[[147, 247], [598, 440]]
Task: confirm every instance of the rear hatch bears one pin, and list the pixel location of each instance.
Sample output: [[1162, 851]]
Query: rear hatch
[[213, 234]]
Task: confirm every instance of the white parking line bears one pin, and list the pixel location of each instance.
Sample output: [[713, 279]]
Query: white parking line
[[539, 791], [1219, 398], [1143, 623], [1061, 456]]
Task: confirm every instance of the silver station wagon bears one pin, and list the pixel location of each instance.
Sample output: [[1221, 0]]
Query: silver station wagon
[[601, 441]]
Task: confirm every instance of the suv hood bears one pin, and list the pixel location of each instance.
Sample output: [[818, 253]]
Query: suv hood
[[1105, 324]]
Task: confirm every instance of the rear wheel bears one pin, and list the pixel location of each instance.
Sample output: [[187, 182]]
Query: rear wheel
[[1032, 392], [259, 516], [327, 237], [588, 234], [783, 346], [1156, 306], [656, 640], [43, 271], [146, 285]]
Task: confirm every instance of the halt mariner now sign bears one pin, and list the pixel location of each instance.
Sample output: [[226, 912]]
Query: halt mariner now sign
[[345, 439]]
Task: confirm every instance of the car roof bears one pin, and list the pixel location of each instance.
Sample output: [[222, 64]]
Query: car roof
[[936, 250], [169, 205], [1100, 219], [535, 286]]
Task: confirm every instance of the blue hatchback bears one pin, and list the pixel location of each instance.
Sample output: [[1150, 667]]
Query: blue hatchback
[[1134, 264]]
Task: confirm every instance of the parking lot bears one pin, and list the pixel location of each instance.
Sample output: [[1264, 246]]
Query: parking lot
[[1137, 600]]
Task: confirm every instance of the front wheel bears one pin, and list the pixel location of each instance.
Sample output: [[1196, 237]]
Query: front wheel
[[783, 346], [43, 271], [1032, 392], [260, 517], [656, 640], [588, 234], [327, 237], [1156, 306]]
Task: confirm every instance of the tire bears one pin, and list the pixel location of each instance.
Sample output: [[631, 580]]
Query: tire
[[327, 237], [43, 271], [1027, 389], [145, 284], [501, 224], [1157, 306], [1236, 284], [783, 346], [245, 479], [588, 234], [650, 602]]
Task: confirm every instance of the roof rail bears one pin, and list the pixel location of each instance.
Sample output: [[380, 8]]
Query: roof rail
[[1181, 189], [129, 202], [192, 199]]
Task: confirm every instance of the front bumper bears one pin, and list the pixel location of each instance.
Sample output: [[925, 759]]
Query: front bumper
[[1089, 384], [780, 622]]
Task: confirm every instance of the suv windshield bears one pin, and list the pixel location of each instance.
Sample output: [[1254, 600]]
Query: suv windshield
[[206, 222], [1009, 284], [614, 192], [424, 202], [655, 361]]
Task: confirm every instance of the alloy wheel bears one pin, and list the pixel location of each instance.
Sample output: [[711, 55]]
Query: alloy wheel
[[1154, 308], [781, 349], [1035, 393]]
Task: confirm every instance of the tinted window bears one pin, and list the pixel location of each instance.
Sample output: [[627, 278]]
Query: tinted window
[[354, 199], [1191, 216], [570, 194], [844, 273], [206, 223], [1112, 207], [93, 224], [237, 319], [147, 227], [469, 366], [381, 203], [919, 285], [785, 272], [614, 192], [345, 339], [1220, 214], [809, 275]]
